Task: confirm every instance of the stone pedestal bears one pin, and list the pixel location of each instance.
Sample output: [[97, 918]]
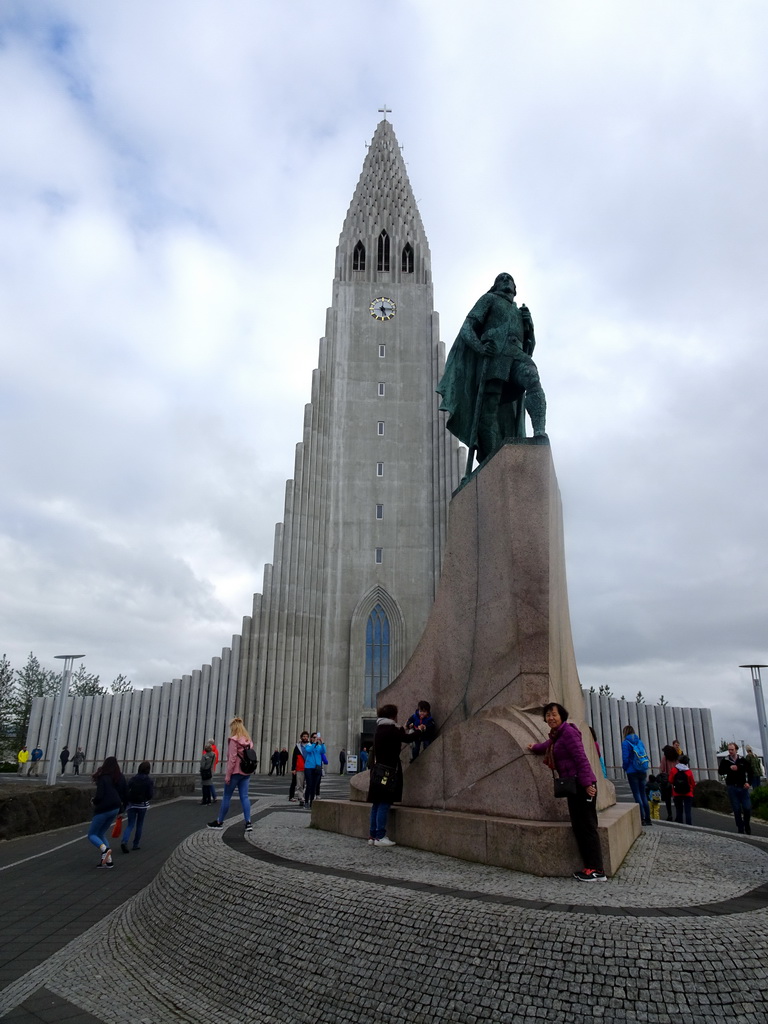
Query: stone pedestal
[[545, 848], [496, 649]]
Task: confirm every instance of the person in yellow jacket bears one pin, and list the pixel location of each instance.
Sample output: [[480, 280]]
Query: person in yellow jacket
[[22, 758]]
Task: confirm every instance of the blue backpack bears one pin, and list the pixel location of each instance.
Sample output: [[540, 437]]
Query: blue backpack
[[640, 762]]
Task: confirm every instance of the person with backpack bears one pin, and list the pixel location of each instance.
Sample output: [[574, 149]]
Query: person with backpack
[[683, 783], [241, 764], [636, 763], [141, 789]]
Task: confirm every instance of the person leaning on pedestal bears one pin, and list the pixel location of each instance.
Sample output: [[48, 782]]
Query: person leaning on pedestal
[[564, 753]]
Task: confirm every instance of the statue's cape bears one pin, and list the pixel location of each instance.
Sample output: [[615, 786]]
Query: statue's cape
[[460, 382]]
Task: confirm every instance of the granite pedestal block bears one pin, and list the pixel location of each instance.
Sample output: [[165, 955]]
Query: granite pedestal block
[[545, 848]]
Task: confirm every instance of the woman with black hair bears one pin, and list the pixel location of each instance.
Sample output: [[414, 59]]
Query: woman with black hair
[[386, 785], [111, 796], [564, 753]]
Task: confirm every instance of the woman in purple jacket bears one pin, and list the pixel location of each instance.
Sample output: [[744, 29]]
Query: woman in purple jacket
[[564, 753]]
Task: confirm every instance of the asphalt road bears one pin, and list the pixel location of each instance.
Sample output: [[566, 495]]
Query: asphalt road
[[52, 890]]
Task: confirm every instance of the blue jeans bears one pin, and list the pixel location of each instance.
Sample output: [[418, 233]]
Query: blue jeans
[[378, 827], [636, 782], [239, 782], [135, 817], [741, 805], [100, 825]]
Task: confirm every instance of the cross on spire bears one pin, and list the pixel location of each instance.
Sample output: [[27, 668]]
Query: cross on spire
[[385, 110]]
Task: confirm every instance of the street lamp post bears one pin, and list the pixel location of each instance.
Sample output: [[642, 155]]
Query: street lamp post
[[762, 722], [58, 712]]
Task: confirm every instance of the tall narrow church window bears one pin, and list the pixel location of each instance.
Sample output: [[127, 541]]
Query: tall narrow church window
[[382, 351], [358, 257], [379, 511], [380, 428], [379, 469], [381, 389], [379, 556], [376, 655], [407, 258], [383, 252]]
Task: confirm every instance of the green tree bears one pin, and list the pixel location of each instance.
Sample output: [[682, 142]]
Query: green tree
[[6, 704], [85, 684], [31, 681], [121, 684], [723, 746], [605, 691], [639, 698], [662, 701]]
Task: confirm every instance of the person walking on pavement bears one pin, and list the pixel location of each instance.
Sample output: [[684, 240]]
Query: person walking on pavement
[[78, 760], [22, 757], [342, 761], [735, 772], [111, 796], [283, 760], [274, 762], [235, 778], [64, 757], [141, 789]]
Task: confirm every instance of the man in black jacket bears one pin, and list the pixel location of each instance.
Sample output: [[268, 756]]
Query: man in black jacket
[[735, 772]]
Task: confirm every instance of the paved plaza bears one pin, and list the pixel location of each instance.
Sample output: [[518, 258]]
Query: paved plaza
[[295, 925]]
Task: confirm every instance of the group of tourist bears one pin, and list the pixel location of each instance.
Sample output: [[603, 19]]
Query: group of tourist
[[563, 752], [675, 783], [114, 797], [29, 760]]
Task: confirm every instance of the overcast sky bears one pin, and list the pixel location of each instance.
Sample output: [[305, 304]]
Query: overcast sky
[[173, 180]]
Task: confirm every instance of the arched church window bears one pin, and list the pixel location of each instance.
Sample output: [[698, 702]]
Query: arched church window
[[358, 257], [376, 654], [407, 258], [383, 252]]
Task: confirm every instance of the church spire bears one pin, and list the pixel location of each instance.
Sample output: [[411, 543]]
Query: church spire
[[383, 219]]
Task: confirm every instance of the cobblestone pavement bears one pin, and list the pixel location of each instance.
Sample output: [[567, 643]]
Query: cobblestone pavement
[[297, 926]]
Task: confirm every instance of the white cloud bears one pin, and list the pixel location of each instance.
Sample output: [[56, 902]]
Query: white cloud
[[172, 184]]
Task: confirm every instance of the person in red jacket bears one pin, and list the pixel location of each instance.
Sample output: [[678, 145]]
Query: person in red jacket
[[215, 751], [683, 784], [297, 769]]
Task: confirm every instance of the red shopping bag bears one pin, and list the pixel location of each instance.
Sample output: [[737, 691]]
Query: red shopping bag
[[118, 827]]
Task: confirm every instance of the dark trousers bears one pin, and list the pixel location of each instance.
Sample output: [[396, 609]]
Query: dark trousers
[[313, 777], [683, 805], [584, 824]]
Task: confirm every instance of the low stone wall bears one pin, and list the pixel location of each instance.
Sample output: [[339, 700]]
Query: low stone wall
[[28, 808]]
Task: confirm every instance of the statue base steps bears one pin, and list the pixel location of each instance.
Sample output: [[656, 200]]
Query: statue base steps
[[545, 848]]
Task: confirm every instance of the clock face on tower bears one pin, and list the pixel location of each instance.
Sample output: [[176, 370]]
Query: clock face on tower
[[382, 309]]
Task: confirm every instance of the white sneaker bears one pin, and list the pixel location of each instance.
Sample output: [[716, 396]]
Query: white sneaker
[[371, 842], [383, 842]]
